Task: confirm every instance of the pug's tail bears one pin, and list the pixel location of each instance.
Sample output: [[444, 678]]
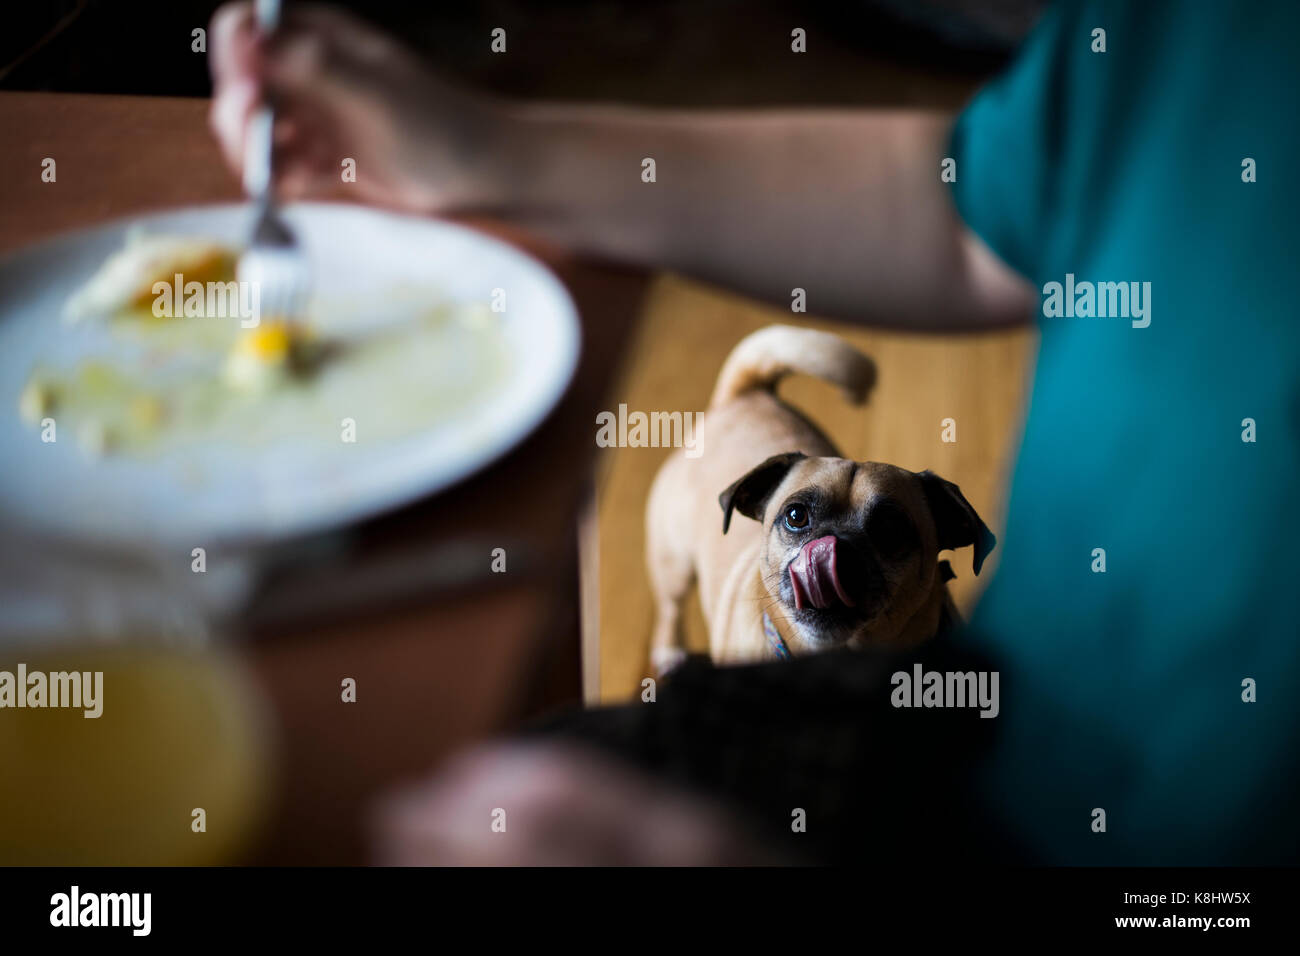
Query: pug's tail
[[763, 358]]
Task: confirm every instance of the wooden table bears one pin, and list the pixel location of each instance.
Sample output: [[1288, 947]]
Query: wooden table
[[435, 672]]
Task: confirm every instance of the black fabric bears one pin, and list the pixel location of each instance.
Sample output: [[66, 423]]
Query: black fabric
[[877, 783]]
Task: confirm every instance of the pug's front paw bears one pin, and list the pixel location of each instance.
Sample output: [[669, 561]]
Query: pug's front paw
[[667, 659]]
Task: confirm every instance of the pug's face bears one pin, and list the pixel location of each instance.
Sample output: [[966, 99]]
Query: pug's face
[[851, 548]]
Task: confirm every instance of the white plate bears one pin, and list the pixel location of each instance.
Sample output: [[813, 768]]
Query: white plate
[[226, 495]]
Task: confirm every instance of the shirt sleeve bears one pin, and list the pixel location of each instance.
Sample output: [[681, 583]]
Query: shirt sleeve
[[1009, 140]]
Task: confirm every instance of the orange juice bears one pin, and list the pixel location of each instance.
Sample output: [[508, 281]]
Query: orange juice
[[172, 770]]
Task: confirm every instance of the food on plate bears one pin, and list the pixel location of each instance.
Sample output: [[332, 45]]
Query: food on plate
[[270, 354], [393, 361], [126, 281]]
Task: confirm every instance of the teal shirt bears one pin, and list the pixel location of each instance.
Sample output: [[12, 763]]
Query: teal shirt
[[1123, 690]]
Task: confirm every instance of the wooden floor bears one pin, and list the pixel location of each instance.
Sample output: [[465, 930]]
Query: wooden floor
[[685, 333]]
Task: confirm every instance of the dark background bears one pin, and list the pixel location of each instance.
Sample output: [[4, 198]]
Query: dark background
[[693, 52]]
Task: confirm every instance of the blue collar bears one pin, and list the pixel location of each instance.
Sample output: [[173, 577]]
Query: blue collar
[[774, 639]]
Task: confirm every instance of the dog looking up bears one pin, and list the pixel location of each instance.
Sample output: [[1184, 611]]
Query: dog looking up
[[837, 552]]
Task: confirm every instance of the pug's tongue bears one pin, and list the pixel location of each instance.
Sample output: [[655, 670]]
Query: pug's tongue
[[814, 578]]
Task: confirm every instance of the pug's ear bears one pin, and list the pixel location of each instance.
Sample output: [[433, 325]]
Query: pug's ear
[[955, 520], [749, 494]]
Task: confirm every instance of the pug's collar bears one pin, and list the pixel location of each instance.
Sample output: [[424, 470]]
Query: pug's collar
[[775, 642]]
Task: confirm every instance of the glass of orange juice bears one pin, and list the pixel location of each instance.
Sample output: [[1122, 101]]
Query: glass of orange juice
[[150, 756]]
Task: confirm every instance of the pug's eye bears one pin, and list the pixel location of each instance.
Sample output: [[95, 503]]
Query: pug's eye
[[796, 518]]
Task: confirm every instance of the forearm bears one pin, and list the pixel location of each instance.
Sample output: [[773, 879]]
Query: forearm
[[846, 205]]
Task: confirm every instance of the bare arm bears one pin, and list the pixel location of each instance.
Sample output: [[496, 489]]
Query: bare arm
[[846, 205]]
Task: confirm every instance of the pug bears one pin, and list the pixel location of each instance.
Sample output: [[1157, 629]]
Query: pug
[[808, 550]]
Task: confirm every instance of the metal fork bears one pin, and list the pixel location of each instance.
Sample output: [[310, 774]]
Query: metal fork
[[274, 261]]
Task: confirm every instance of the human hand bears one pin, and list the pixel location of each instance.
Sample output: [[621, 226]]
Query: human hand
[[343, 90], [554, 805]]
